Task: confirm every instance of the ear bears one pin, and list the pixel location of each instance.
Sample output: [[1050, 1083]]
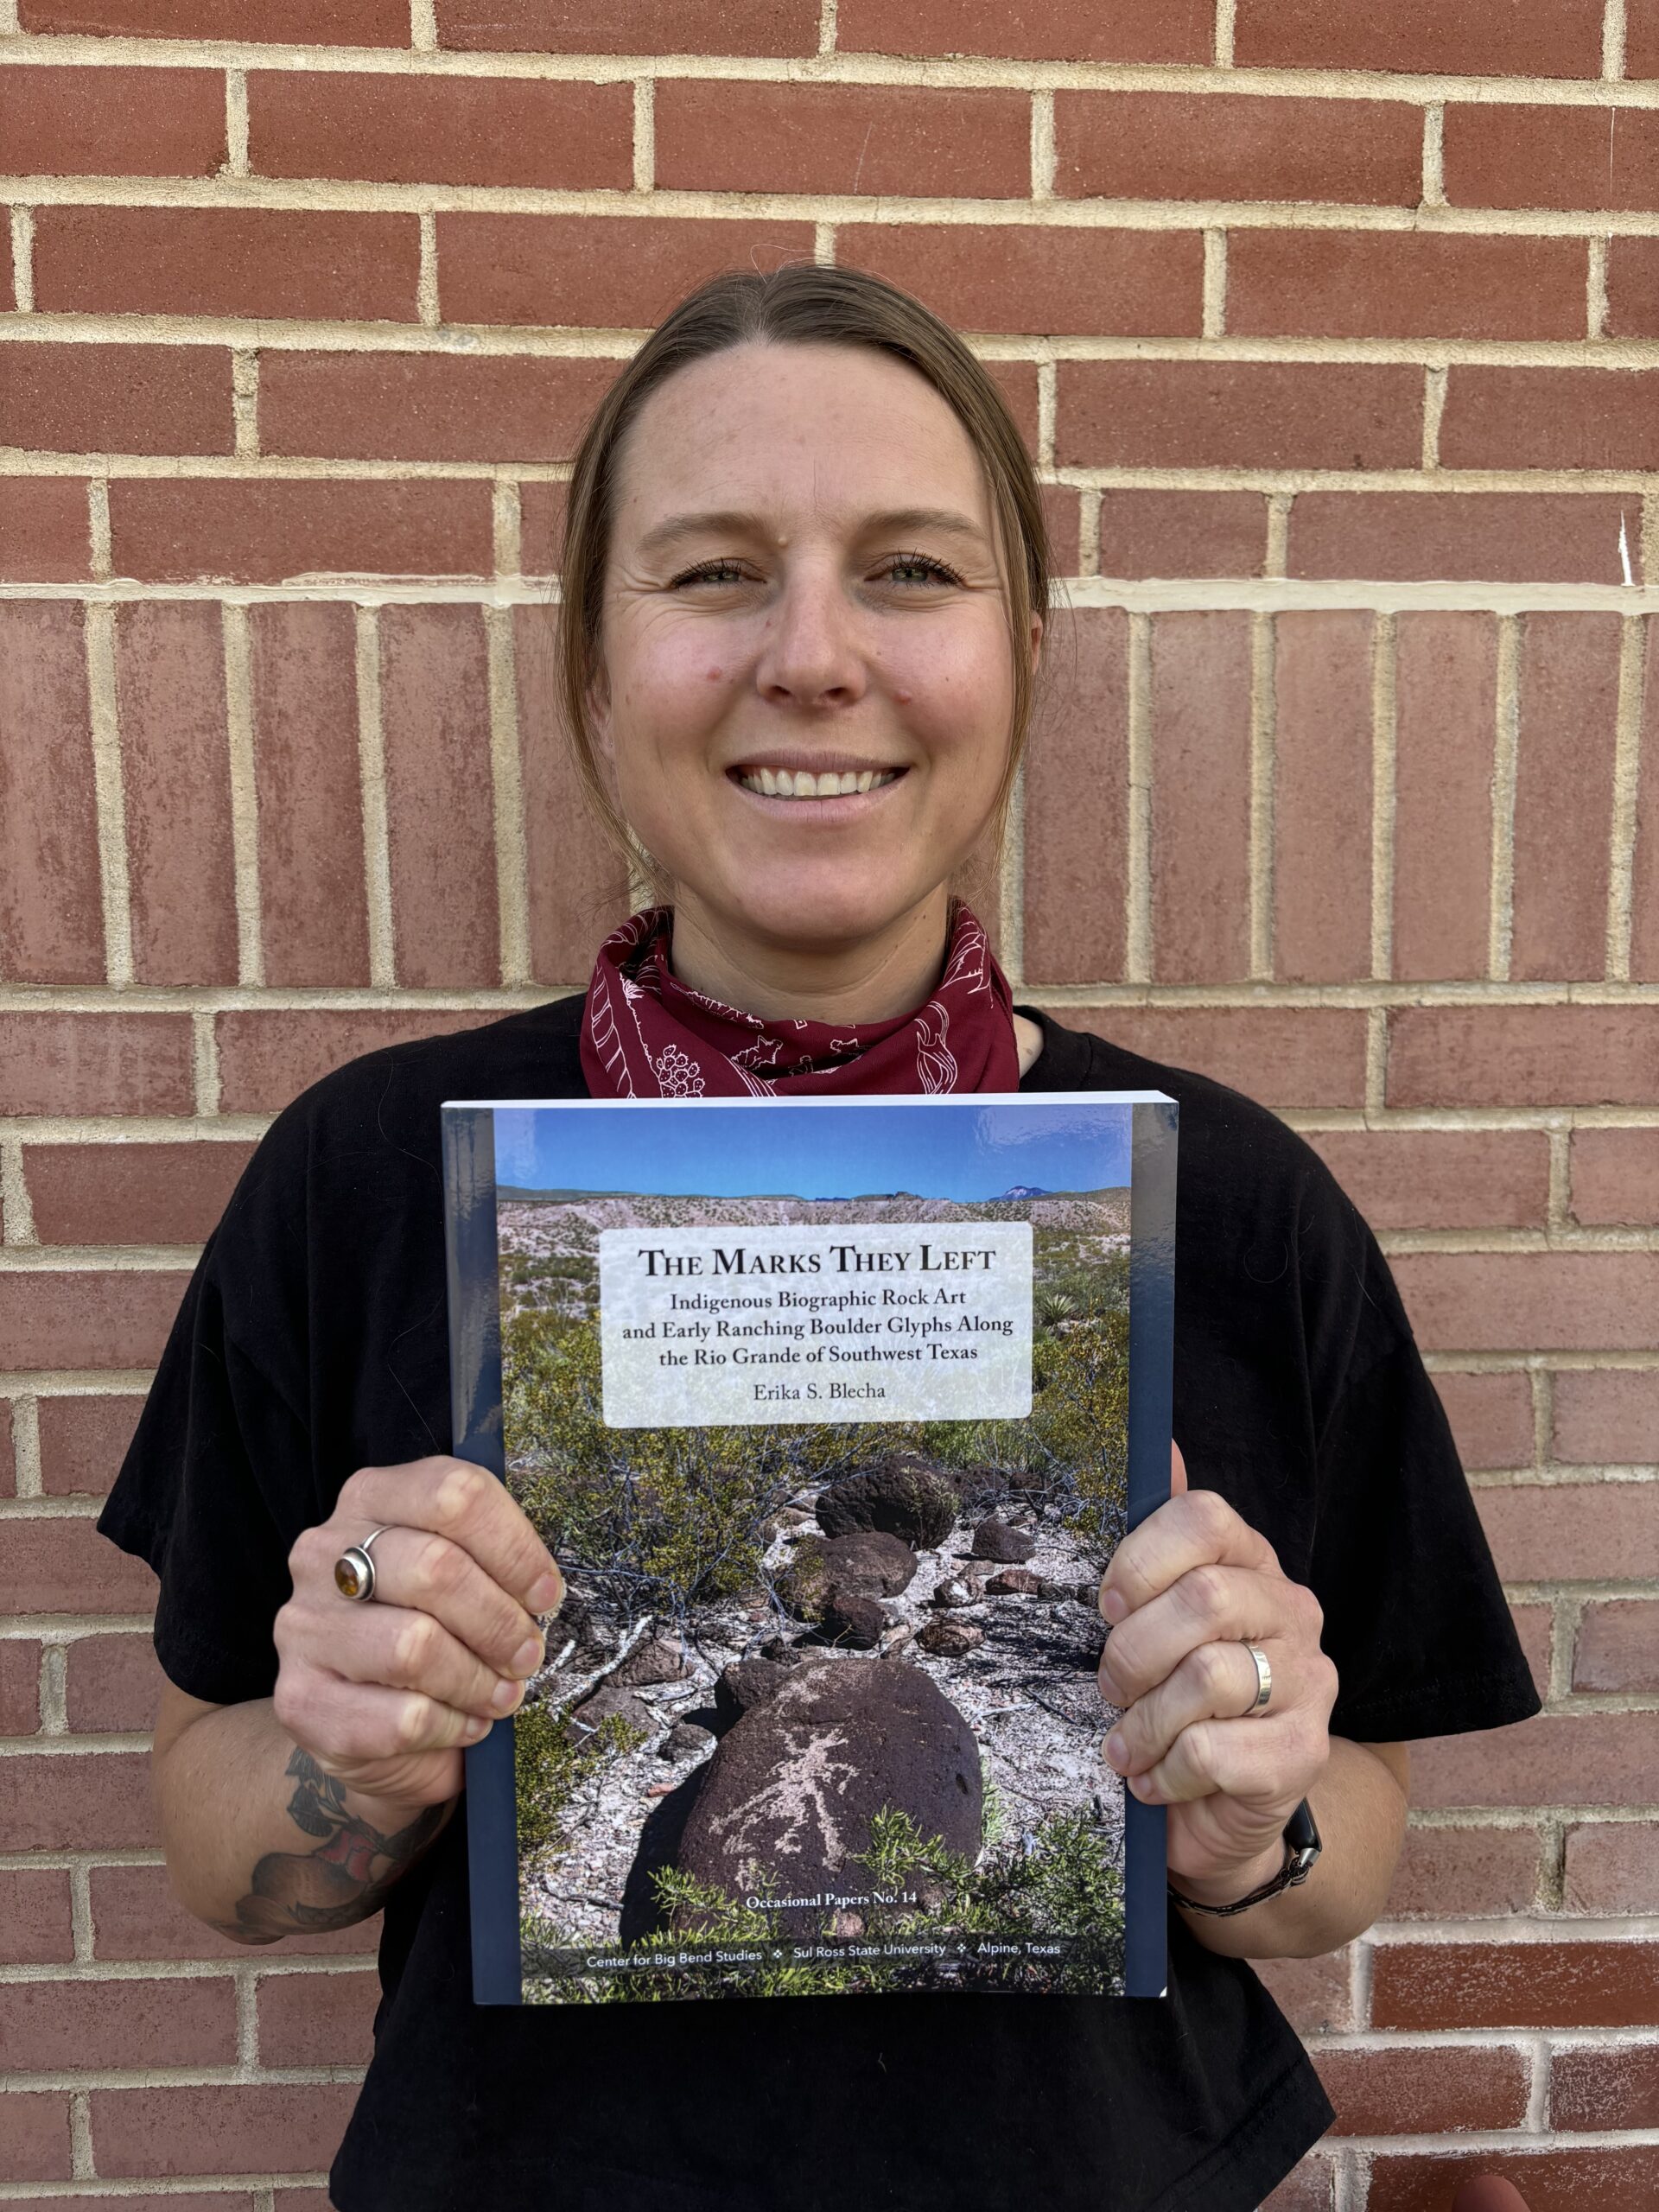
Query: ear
[[1176, 1471]]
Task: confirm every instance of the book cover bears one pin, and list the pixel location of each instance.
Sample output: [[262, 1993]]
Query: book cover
[[833, 1412]]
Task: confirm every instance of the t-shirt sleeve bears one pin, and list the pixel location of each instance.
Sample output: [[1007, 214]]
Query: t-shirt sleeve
[[1415, 1619]]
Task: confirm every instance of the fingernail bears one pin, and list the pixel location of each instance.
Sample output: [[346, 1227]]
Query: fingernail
[[545, 1593], [1141, 1785], [505, 1695], [475, 1727], [529, 1656], [1117, 1750], [1114, 1606]]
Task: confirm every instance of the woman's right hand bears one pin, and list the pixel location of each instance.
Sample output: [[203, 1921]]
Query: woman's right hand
[[385, 1693]]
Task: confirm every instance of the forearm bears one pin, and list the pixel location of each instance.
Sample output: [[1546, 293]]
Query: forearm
[[1360, 1805], [261, 1843]]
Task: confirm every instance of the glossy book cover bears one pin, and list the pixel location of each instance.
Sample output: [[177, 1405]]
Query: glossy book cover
[[832, 1411]]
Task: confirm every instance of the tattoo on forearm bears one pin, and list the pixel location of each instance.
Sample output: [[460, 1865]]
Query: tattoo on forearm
[[335, 1885]]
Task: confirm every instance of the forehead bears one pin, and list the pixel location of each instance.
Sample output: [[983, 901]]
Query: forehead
[[790, 429]]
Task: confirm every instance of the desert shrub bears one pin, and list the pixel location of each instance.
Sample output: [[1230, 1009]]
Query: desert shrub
[[552, 1763]]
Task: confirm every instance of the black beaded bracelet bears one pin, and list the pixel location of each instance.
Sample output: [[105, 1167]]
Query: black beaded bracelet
[[1302, 1847]]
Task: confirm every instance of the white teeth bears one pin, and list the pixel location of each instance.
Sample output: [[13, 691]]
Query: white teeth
[[829, 785], [768, 783], [848, 780], [866, 779], [801, 783], [785, 784]]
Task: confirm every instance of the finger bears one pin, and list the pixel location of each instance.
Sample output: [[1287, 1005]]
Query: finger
[[1209, 1604], [399, 1647], [338, 1720], [416, 1571], [1198, 1529], [1258, 1761], [1217, 1682], [464, 1503], [1176, 1471]]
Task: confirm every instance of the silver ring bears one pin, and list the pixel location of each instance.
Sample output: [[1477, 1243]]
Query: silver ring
[[354, 1568], [1263, 1696]]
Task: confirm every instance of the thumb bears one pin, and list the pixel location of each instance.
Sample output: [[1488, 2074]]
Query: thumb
[[1177, 1470]]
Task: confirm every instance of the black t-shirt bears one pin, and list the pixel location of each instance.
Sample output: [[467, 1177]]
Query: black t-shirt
[[312, 1340]]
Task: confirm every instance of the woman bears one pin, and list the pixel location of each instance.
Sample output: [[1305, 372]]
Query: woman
[[805, 586]]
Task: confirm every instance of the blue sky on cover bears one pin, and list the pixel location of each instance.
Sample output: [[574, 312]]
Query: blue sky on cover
[[963, 1150]]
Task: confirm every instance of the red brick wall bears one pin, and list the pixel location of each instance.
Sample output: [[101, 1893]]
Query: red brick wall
[[1335, 331]]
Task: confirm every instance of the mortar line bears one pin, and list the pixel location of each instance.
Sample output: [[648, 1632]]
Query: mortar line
[[17, 1214], [1384, 730], [506, 770], [204, 1062], [1042, 147], [1434, 409], [1563, 1631], [823, 245], [1595, 288], [101, 552], [1434, 154], [422, 27], [82, 2166], [1612, 41], [828, 28], [371, 772], [8, 18], [1226, 18], [246, 1981], [26, 1473], [244, 399], [1215, 284], [1089, 499], [245, 796], [1377, 1065], [53, 1690], [645, 134], [1556, 1207], [22, 258], [1047, 379], [1501, 922], [1011, 886], [110, 793], [507, 527], [1627, 768], [1543, 1415], [236, 124], [80, 1910], [1264, 736], [427, 307], [1138, 945], [1277, 552]]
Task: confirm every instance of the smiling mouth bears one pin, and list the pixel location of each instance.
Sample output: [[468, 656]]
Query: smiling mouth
[[802, 783]]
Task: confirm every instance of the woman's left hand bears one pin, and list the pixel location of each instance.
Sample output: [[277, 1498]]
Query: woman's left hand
[[1184, 1594]]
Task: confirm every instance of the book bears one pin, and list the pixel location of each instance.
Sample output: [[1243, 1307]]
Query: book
[[833, 1412]]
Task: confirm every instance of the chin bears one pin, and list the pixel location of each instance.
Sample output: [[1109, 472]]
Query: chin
[[836, 910]]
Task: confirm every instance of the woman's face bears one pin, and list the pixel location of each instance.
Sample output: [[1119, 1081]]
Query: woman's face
[[804, 597]]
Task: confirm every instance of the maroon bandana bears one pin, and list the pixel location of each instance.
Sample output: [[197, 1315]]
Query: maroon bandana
[[647, 1036]]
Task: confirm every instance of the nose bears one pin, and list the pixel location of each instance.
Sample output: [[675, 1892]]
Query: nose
[[811, 654]]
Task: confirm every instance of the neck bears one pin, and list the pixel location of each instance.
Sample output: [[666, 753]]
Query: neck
[[866, 980]]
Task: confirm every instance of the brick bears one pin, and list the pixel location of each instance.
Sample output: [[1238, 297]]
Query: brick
[[1480, 38], [176, 530], [177, 776], [1520, 1056], [1465, 1874], [578, 888], [1076, 798], [1494, 1302], [1612, 1866], [86, 1318], [1490, 1416], [1200, 716], [1239, 414], [35, 1924], [312, 893], [402, 129], [317, 2019], [1642, 38], [1535, 1625], [1633, 288], [603, 272], [1524, 156], [1017, 382], [1445, 711], [304, 22], [130, 1194], [1576, 1532], [92, 1800], [1182, 534], [87, 121], [1550, 418], [1553, 2181], [1444, 1179], [1285, 1057], [243, 2128], [1003, 277], [1480, 536], [1616, 1175], [44, 534], [1564, 795], [114, 1684], [137, 1916], [227, 261], [1424, 2091], [1311, 2187], [217, 2201], [1609, 1418], [8, 1460], [1553, 1985], [20, 1686], [1618, 1642], [1063, 519], [1595, 1758], [99, 399], [1037, 30], [1402, 284], [1322, 802], [59, 1564], [745, 27], [1591, 2088], [267, 1058], [890, 140], [427, 406], [83, 1440], [1644, 918], [541, 534], [50, 902], [1229, 146], [46, 2025], [53, 1063], [434, 700], [1315, 1995], [37, 2136]]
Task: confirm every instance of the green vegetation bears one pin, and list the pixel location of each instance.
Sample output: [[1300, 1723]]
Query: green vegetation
[[552, 1763]]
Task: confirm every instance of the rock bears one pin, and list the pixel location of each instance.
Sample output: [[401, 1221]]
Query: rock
[[994, 1539], [1014, 1582], [607, 1702], [866, 1565], [744, 1684], [953, 1590], [857, 1623], [781, 1651], [948, 1639], [794, 1787], [906, 1496], [653, 1659], [685, 1740], [1075, 1594]]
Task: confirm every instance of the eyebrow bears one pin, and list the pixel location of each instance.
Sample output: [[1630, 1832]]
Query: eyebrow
[[676, 528]]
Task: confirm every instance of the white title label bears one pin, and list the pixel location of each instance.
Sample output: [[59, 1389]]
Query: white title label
[[717, 1327]]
